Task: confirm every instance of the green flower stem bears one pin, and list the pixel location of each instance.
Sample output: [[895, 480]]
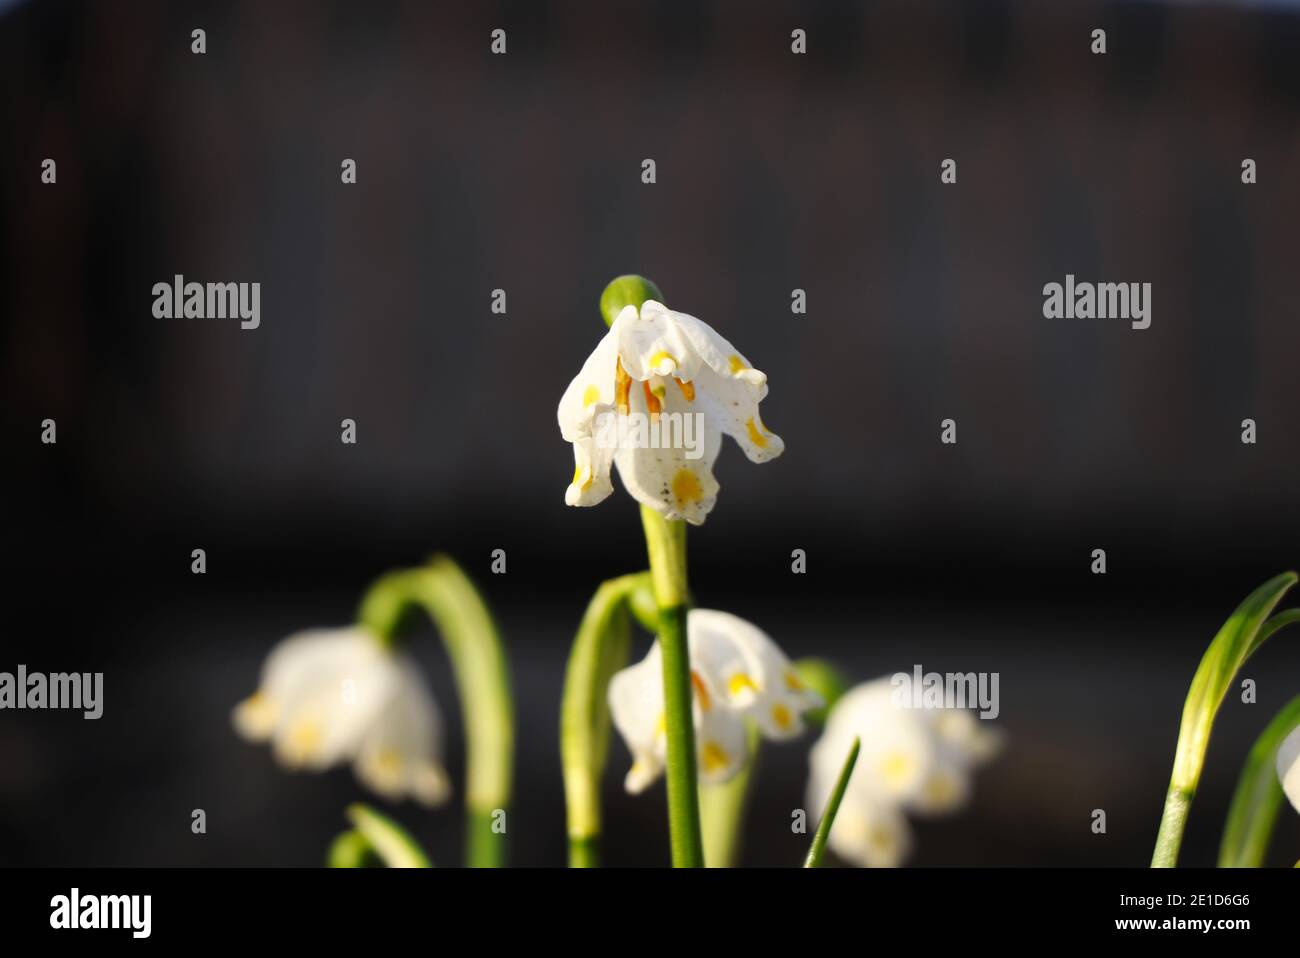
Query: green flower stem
[[1253, 812], [666, 545], [722, 811], [478, 660], [1240, 636], [393, 844], [818, 849], [600, 649]]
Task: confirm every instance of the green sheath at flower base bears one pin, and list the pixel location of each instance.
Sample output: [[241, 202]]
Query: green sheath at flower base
[[628, 290], [722, 810], [666, 546], [1253, 812], [824, 679], [478, 660], [1240, 636], [600, 649], [818, 849], [390, 841]]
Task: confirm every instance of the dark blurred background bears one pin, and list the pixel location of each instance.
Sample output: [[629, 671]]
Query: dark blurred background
[[522, 172]]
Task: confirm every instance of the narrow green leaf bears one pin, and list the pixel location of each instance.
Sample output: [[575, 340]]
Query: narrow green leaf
[[389, 840], [478, 661], [600, 649], [1258, 797], [1240, 636], [818, 849]]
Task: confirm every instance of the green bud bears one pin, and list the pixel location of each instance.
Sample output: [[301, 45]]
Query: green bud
[[824, 679], [629, 290]]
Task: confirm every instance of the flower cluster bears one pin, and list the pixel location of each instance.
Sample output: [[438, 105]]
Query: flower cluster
[[738, 674], [654, 362], [330, 696], [911, 759]]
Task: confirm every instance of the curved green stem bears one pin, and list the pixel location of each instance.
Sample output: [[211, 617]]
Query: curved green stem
[[1253, 811], [666, 545], [818, 849], [373, 832], [1240, 636], [478, 660], [600, 649]]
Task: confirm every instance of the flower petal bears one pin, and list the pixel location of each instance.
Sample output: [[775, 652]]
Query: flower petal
[[1288, 766]]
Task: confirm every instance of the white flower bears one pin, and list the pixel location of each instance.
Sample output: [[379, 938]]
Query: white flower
[[737, 673], [1288, 766], [656, 363], [335, 695], [915, 759]]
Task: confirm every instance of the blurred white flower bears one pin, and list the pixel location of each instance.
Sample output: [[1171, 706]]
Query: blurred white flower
[[654, 362], [1288, 766], [911, 759], [737, 673], [330, 696]]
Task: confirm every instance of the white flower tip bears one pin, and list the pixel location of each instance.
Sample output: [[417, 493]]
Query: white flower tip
[[640, 776], [1288, 766], [254, 718]]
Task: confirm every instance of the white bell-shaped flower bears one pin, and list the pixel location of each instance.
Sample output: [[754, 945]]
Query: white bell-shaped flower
[[737, 673], [655, 398], [1288, 766], [917, 759], [336, 695]]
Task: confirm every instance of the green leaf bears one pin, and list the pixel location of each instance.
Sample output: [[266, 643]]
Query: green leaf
[[600, 649], [818, 849], [1258, 797], [478, 660], [389, 840], [1240, 636]]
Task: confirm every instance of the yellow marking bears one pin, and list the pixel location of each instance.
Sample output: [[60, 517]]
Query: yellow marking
[[792, 681], [896, 768], [578, 473], [712, 757], [782, 717], [686, 487], [739, 683], [756, 437], [651, 400], [661, 726], [737, 365], [701, 692], [659, 357], [882, 839], [688, 389], [622, 388], [304, 740], [591, 394]]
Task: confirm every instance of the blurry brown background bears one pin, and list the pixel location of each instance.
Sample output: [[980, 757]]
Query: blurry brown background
[[522, 172]]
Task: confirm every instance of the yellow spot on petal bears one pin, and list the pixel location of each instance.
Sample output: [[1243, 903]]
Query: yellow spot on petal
[[582, 484], [686, 487], [304, 740], [792, 681], [882, 840], [661, 726], [755, 435], [591, 394], [688, 389], [740, 682], [713, 757], [896, 768], [661, 357], [737, 365], [701, 693], [782, 717]]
